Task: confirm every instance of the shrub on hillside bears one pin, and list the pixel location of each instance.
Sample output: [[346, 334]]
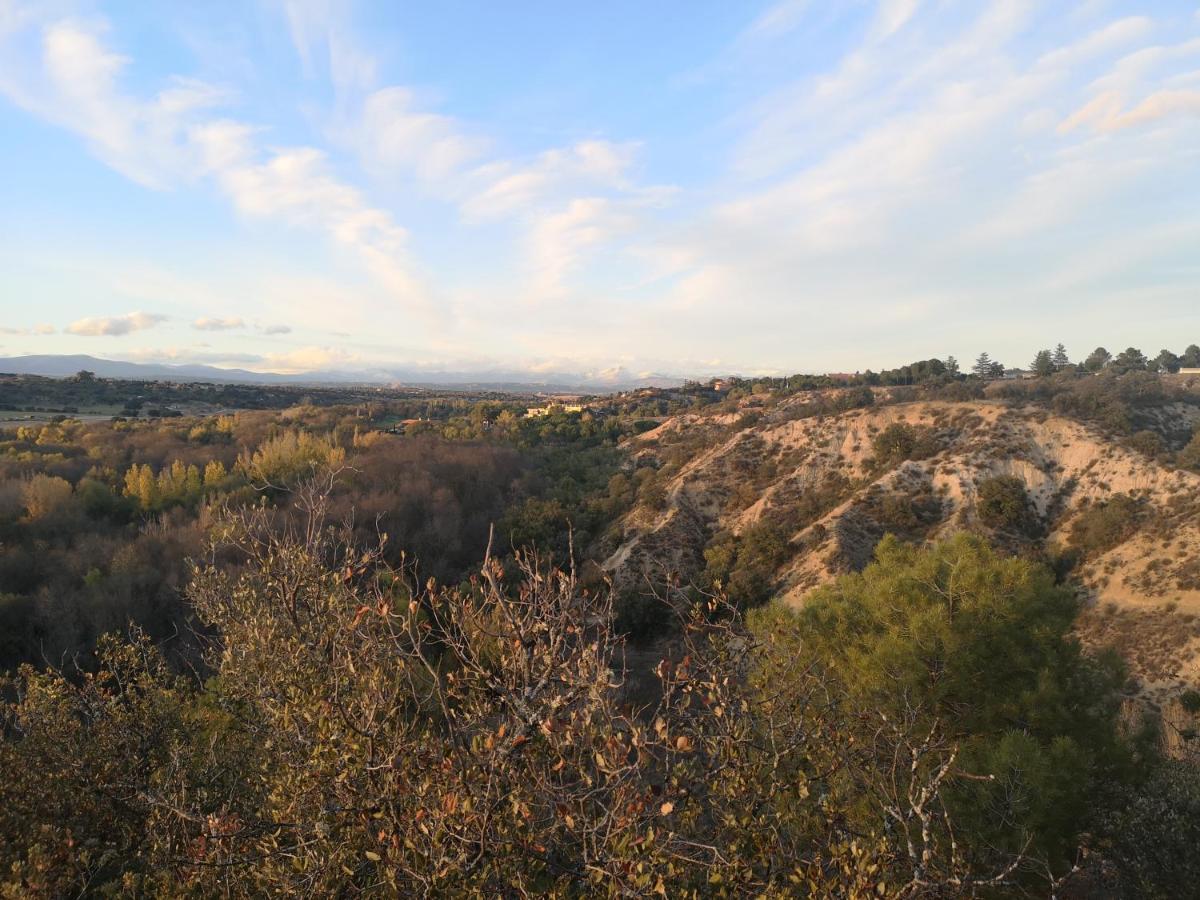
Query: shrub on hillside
[[1102, 526], [365, 736], [1003, 502], [983, 643], [1189, 456], [900, 441]]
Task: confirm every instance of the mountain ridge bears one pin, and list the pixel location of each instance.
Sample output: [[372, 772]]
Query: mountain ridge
[[65, 365]]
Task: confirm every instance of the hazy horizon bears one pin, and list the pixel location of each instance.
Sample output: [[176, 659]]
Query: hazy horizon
[[686, 189]]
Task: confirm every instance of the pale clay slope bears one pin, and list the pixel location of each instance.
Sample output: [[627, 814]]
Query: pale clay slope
[[1063, 463]]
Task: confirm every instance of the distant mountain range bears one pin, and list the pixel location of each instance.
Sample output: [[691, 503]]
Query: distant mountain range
[[61, 366]]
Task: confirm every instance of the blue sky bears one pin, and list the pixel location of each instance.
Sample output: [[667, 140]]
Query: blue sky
[[683, 187]]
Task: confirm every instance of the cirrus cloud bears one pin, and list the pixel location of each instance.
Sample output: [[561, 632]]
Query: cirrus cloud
[[207, 323]]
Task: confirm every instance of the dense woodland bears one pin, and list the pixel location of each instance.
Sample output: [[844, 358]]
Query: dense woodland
[[331, 644]]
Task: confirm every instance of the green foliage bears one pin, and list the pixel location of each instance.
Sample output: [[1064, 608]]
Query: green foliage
[[1004, 503], [1103, 525], [981, 643], [364, 736], [1146, 442], [1130, 360], [900, 441], [745, 566], [93, 769], [1151, 831], [290, 457], [1189, 456], [1097, 360], [1043, 364]]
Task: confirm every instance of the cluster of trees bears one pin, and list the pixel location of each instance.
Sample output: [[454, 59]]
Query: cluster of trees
[[927, 727], [935, 371], [1048, 362], [178, 485], [97, 519]]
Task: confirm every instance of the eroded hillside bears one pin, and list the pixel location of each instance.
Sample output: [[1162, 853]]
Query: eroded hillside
[[787, 497]]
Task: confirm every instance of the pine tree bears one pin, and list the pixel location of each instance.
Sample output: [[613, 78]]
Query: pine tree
[[1097, 360], [983, 366], [1060, 359], [1043, 364], [951, 366]]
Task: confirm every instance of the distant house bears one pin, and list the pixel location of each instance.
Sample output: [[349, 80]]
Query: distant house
[[1189, 371], [535, 412]]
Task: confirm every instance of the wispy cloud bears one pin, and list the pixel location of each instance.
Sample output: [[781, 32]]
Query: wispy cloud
[[206, 323], [842, 181], [70, 77]]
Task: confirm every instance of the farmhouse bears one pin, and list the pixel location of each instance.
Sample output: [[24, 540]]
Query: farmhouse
[[534, 412]]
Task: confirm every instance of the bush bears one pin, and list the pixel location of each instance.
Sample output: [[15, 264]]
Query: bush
[[362, 736], [46, 495], [1004, 503], [1152, 830], [1104, 525], [982, 643], [1189, 456]]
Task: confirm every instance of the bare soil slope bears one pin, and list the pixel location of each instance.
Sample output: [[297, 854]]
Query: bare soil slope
[[825, 479]]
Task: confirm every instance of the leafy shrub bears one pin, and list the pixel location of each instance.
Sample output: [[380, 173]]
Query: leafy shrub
[[1151, 832], [744, 566], [900, 441], [961, 635], [1004, 503], [45, 495], [1189, 456], [1104, 525]]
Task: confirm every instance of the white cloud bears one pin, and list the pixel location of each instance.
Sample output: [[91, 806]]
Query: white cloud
[[97, 326], [275, 329], [310, 359], [777, 20], [1106, 112], [558, 241], [1099, 42], [510, 188], [322, 39], [891, 16], [72, 78], [296, 186], [394, 134], [207, 323]]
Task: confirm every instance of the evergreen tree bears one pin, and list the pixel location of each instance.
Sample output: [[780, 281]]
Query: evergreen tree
[[1097, 360], [1043, 364], [983, 366], [1130, 360], [1191, 357], [951, 366], [1061, 360], [1167, 362]]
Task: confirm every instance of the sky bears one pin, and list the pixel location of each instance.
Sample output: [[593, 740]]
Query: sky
[[686, 188]]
